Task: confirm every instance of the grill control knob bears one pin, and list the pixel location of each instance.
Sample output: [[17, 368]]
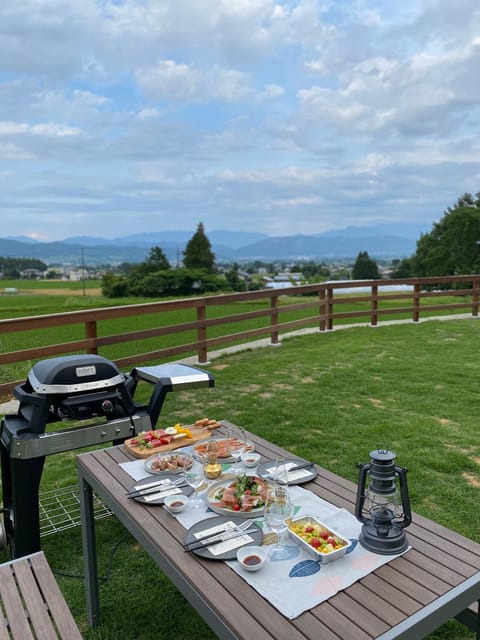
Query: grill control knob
[[107, 406]]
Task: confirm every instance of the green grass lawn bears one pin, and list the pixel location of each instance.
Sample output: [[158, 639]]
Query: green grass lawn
[[329, 397]]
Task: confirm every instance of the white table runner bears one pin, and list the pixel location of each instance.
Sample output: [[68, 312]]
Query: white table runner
[[298, 583]]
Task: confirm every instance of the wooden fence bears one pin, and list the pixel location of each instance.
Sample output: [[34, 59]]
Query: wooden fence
[[319, 306]]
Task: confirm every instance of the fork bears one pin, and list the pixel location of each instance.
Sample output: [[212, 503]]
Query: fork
[[242, 526]]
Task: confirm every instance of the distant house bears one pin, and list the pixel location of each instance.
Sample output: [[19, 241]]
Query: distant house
[[76, 275], [288, 277], [32, 274], [284, 280], [244, 275]]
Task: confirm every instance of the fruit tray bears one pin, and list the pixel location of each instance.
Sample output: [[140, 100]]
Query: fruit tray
[[320, 541]]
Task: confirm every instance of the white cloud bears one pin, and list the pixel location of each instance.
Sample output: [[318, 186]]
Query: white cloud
[[10, 151], [270, 91], [148, 113], [48, 129], [171, 82]]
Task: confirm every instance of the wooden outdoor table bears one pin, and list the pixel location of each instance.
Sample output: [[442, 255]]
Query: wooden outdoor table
[[407, 598]]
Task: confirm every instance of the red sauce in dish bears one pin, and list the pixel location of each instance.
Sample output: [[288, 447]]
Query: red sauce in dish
[[250, 561], [178, 503]]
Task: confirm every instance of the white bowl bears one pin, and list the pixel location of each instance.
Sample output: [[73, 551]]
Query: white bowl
[[252, 558], [250, 459], [176, 502]]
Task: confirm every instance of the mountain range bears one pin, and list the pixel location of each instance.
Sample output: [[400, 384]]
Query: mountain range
[[381, 242]]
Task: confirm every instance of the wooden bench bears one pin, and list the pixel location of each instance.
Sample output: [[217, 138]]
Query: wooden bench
[[32, 606]]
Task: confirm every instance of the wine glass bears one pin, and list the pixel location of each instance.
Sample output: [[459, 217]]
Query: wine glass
[[277, 510], [194, 476], [280, 471], [237, 444]]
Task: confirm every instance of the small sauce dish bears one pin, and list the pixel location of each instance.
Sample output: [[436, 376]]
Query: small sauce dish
[[250, 459], [252, 558], [176, 502]]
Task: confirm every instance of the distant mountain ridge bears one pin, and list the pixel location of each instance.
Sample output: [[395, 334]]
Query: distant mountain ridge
[[382, 242]]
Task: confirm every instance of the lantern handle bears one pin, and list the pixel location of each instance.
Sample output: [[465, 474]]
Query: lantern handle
[[360, 501], [407, 513]]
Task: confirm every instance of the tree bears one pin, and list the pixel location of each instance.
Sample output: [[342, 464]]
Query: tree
[[155, 261], [198, 252], [365, 268], [114, 286], [402, 269], [453, 245], [233, 278]]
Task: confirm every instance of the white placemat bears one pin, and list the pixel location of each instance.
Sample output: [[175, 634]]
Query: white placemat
[[298, 583]]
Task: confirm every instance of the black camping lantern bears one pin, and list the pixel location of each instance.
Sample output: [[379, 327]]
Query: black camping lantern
[[383, 504]]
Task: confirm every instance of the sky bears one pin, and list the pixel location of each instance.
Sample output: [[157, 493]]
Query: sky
[[277, 116]]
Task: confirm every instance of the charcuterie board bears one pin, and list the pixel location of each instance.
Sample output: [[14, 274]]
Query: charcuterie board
[[147, 443]]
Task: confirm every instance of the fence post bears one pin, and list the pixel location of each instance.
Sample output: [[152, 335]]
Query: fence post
[[374, 299], [91, 334], [322, 309], [202, 335], [274, 320], [416, 302], [329, 308], [475, 286]]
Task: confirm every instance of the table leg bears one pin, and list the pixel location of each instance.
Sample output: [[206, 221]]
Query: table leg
[[478, 621], [89, 552]]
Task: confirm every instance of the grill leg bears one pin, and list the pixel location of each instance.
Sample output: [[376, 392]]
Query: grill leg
[[6, 495], [24, 513]]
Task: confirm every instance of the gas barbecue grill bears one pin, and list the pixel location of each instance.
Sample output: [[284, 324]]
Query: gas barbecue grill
[[97, 399]]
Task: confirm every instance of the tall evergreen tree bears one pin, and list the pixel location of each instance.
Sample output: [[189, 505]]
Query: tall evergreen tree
[[198, 252], [156, 260], [365, 268]]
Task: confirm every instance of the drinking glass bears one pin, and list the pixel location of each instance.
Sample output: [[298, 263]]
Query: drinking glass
[[277, 510], [194, 476], [280, 472], [237, 444]]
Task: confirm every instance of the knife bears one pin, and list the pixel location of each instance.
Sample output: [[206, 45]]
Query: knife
[[203, 544], [159, 486], [226, 529], [301, 465]]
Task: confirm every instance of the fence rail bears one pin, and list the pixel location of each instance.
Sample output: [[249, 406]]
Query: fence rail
[[319, 308]]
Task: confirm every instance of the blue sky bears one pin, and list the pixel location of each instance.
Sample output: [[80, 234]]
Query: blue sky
[[282, 117]]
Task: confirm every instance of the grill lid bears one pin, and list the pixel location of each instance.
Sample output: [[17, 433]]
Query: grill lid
[[74, 374]]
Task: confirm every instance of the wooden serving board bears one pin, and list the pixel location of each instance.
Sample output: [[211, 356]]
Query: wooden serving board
[[198, 433]]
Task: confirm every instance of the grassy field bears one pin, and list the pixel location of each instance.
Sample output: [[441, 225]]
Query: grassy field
[[329, 397]]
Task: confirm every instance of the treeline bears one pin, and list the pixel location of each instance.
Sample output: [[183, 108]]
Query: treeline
[[14, 267], [155, 277]]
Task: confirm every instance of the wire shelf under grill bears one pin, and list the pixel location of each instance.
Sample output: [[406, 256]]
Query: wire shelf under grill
[[60, 510]]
